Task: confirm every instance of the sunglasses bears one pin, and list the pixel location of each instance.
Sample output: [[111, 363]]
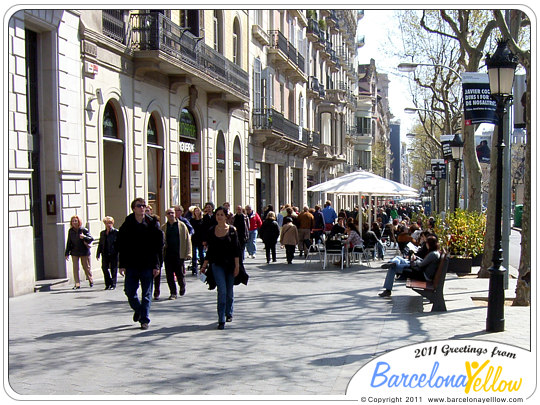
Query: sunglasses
[[140, 205]]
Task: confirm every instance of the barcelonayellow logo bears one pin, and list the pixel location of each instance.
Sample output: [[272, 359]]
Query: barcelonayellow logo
[[456, 367]]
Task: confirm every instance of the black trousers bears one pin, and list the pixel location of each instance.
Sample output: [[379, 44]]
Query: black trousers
[[175, 266], [270, 249], [109, 262], [289, 252]]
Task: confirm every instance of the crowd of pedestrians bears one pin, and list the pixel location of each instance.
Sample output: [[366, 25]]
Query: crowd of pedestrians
[[219, 240]]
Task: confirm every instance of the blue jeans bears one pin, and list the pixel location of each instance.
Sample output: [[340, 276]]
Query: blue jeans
[[131, 285], [197, 256], [400, 264], [380, 249], [225, 291], [250, 244]]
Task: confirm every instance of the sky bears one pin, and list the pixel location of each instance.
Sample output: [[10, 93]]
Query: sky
[[381, 31]]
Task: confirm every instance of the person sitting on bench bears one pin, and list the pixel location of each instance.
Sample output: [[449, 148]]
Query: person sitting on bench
[[416, 268]]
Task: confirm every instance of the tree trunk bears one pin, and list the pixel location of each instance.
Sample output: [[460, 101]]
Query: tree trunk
[[489, 239], [523, 288]]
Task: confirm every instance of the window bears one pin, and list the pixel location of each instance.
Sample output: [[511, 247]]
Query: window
[[110, 123], [218, 31], [257, 96], [236, 42], [187, 127]]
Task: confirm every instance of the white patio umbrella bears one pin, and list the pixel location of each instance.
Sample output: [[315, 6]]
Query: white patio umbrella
[[367, 184]]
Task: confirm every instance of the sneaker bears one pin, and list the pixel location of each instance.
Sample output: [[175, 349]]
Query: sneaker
[[388, 265], [144, 326], [172, 297], [229, 319], [385, 293], [221, 326], [253, 256]]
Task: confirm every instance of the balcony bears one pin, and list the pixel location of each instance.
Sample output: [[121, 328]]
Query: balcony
[[272, 130], [285, 56], [338, 93], [161, 46], [113, 25], [260, 35], [313, 31], [315, 90]]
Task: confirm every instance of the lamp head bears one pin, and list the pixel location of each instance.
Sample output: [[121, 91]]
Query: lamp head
[[501, 69]]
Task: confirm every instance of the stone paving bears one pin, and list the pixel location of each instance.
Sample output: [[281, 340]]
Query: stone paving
[[297, 330]]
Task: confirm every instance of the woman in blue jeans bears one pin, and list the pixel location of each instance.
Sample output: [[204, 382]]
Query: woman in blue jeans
[[223, 253], [416, 268]]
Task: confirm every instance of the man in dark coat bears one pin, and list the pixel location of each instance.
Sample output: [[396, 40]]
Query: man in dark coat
[[140, 246]]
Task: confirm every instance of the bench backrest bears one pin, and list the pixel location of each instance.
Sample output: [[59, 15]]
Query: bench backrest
[[440, 275]]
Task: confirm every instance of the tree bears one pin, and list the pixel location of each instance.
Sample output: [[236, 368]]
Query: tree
[[515, 29], [471, 29], [437, 89]]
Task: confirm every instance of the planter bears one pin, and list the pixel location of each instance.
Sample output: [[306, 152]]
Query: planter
[[460, 265], [477, 260]]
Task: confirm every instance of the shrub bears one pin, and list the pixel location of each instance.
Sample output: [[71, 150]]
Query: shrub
[[462, 233]]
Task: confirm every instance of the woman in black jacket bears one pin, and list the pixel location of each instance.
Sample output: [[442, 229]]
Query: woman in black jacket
[[107, 249], [78, 247], [197, 254], [223, 253], [269, 233]]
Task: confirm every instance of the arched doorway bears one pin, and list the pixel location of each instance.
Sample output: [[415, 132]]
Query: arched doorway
[[155, 166], [190, 165], [237, 172], [114, 165], [221, 169]]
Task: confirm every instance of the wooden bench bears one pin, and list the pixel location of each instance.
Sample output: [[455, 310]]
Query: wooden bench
[[433, 290]]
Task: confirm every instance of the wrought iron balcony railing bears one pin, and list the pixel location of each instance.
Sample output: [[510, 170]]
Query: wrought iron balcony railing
[[268, 118], [278, 41], [154, 31], [113, 25]]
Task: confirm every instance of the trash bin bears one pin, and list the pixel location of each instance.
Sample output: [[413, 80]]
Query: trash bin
[[518, 213]]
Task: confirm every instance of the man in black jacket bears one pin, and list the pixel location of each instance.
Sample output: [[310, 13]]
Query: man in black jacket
[[140, 246]]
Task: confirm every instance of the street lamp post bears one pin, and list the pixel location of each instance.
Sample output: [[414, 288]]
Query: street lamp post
[[457, 155], [501, 69]]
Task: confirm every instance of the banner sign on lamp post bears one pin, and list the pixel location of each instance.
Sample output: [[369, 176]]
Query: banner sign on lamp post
[[478, 106]]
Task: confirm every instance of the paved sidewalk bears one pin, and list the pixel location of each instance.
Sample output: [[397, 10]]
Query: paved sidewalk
[[297, 330]]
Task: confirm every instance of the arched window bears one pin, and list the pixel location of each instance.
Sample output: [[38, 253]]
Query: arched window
[[110, 122], [237, 52], [155, 166], [187, 125], [218, 30]]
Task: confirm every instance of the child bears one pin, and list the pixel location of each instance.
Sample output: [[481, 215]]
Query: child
[[289, 238]]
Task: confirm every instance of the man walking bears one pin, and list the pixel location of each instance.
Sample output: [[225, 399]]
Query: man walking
[[140, 244], [306, 223], [329, 215], [241, 223], [177, 249], [255, 223]]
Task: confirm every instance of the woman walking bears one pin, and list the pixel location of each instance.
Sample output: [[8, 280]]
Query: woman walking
[[289, 238], [107, 249], [78, 247], [223, 253], [269, 233], [197, 254]]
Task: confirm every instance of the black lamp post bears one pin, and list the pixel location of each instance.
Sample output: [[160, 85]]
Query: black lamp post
[[501, 69], [457, 155]]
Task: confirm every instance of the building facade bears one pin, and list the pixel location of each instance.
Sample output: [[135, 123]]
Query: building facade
[[175, 106]]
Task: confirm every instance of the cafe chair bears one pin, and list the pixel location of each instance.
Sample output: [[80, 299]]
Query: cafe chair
[[361, 254], [315, 249], [334, 248]]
